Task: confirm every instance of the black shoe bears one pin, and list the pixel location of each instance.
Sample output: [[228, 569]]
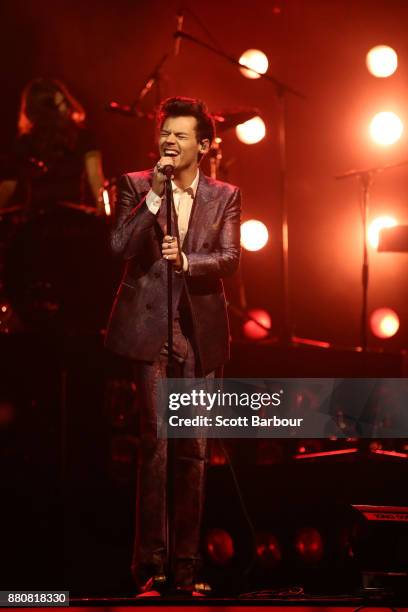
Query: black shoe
[[154, 587]]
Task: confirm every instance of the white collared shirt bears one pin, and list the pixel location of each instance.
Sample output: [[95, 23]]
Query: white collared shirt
[[183, 203]]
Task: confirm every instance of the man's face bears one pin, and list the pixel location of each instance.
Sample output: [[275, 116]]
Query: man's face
[[178, 139]]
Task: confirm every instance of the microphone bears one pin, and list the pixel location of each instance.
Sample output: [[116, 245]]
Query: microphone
[[177, 42], [167, 170]]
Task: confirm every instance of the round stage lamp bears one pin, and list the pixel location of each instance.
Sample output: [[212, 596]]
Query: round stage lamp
[[373, 232], [259, 325], [219, 546], [251, 131], [268, 550], [384, 322], [255, 59], [254, 235], [309, 545], [382, 61], [386, 128]]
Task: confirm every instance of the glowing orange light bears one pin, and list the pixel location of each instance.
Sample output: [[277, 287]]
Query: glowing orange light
[[254, 235], [252, 131], [382, 61], [219, 546], [386, 128], [391, 453], [373, 232], [342, 451], [106, 202], [78, 117], [384, 322], [309, 544], [255, 59], [259, 327]]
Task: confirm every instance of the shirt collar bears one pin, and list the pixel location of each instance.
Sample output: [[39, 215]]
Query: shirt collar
[[192, 189]]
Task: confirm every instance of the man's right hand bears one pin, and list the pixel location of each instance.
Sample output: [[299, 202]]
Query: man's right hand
[[159, 179]]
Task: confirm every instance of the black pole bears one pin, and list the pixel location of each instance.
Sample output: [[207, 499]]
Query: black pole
[[169, 206], [170, 374], [286, 327], [366, 180]]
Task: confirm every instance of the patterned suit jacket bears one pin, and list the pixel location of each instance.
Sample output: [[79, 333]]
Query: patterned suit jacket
[[137, 326]]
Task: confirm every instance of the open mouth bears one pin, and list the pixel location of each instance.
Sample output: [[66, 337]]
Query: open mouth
[[170, 152]]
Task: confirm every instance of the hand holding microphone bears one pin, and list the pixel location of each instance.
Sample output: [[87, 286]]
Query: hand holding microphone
[[163, 169]]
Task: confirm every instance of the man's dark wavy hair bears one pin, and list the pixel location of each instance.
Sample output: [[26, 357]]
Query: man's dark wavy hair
[[188, 107]]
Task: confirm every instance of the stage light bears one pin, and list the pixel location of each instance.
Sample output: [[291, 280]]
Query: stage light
[[268, 550], [216, 454], [219, 546], [373, 232], [384, 322], [106, 202], [259, 327], [309, 545], [254, 235], [255, 59], [251, 131], [382, 61], [386, 128]]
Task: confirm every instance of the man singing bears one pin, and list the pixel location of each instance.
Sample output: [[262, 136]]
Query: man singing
[[208, 221]]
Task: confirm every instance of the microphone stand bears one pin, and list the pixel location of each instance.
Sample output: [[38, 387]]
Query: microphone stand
[[169, 208], [170, 373], [133, 108], [281, 91], [366, 178]]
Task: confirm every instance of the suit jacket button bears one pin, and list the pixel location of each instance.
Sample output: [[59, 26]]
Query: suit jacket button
[[148, 307], [205, 245], [157, 275]]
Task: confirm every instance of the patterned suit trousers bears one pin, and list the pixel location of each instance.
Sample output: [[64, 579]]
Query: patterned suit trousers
[[188, 468]]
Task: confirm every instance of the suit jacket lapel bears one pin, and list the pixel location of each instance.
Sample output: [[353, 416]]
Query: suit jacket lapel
[[161, 217], [202, 214]]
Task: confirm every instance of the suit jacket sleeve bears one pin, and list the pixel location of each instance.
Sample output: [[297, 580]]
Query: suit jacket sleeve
[[224, 260], [133, 218]]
